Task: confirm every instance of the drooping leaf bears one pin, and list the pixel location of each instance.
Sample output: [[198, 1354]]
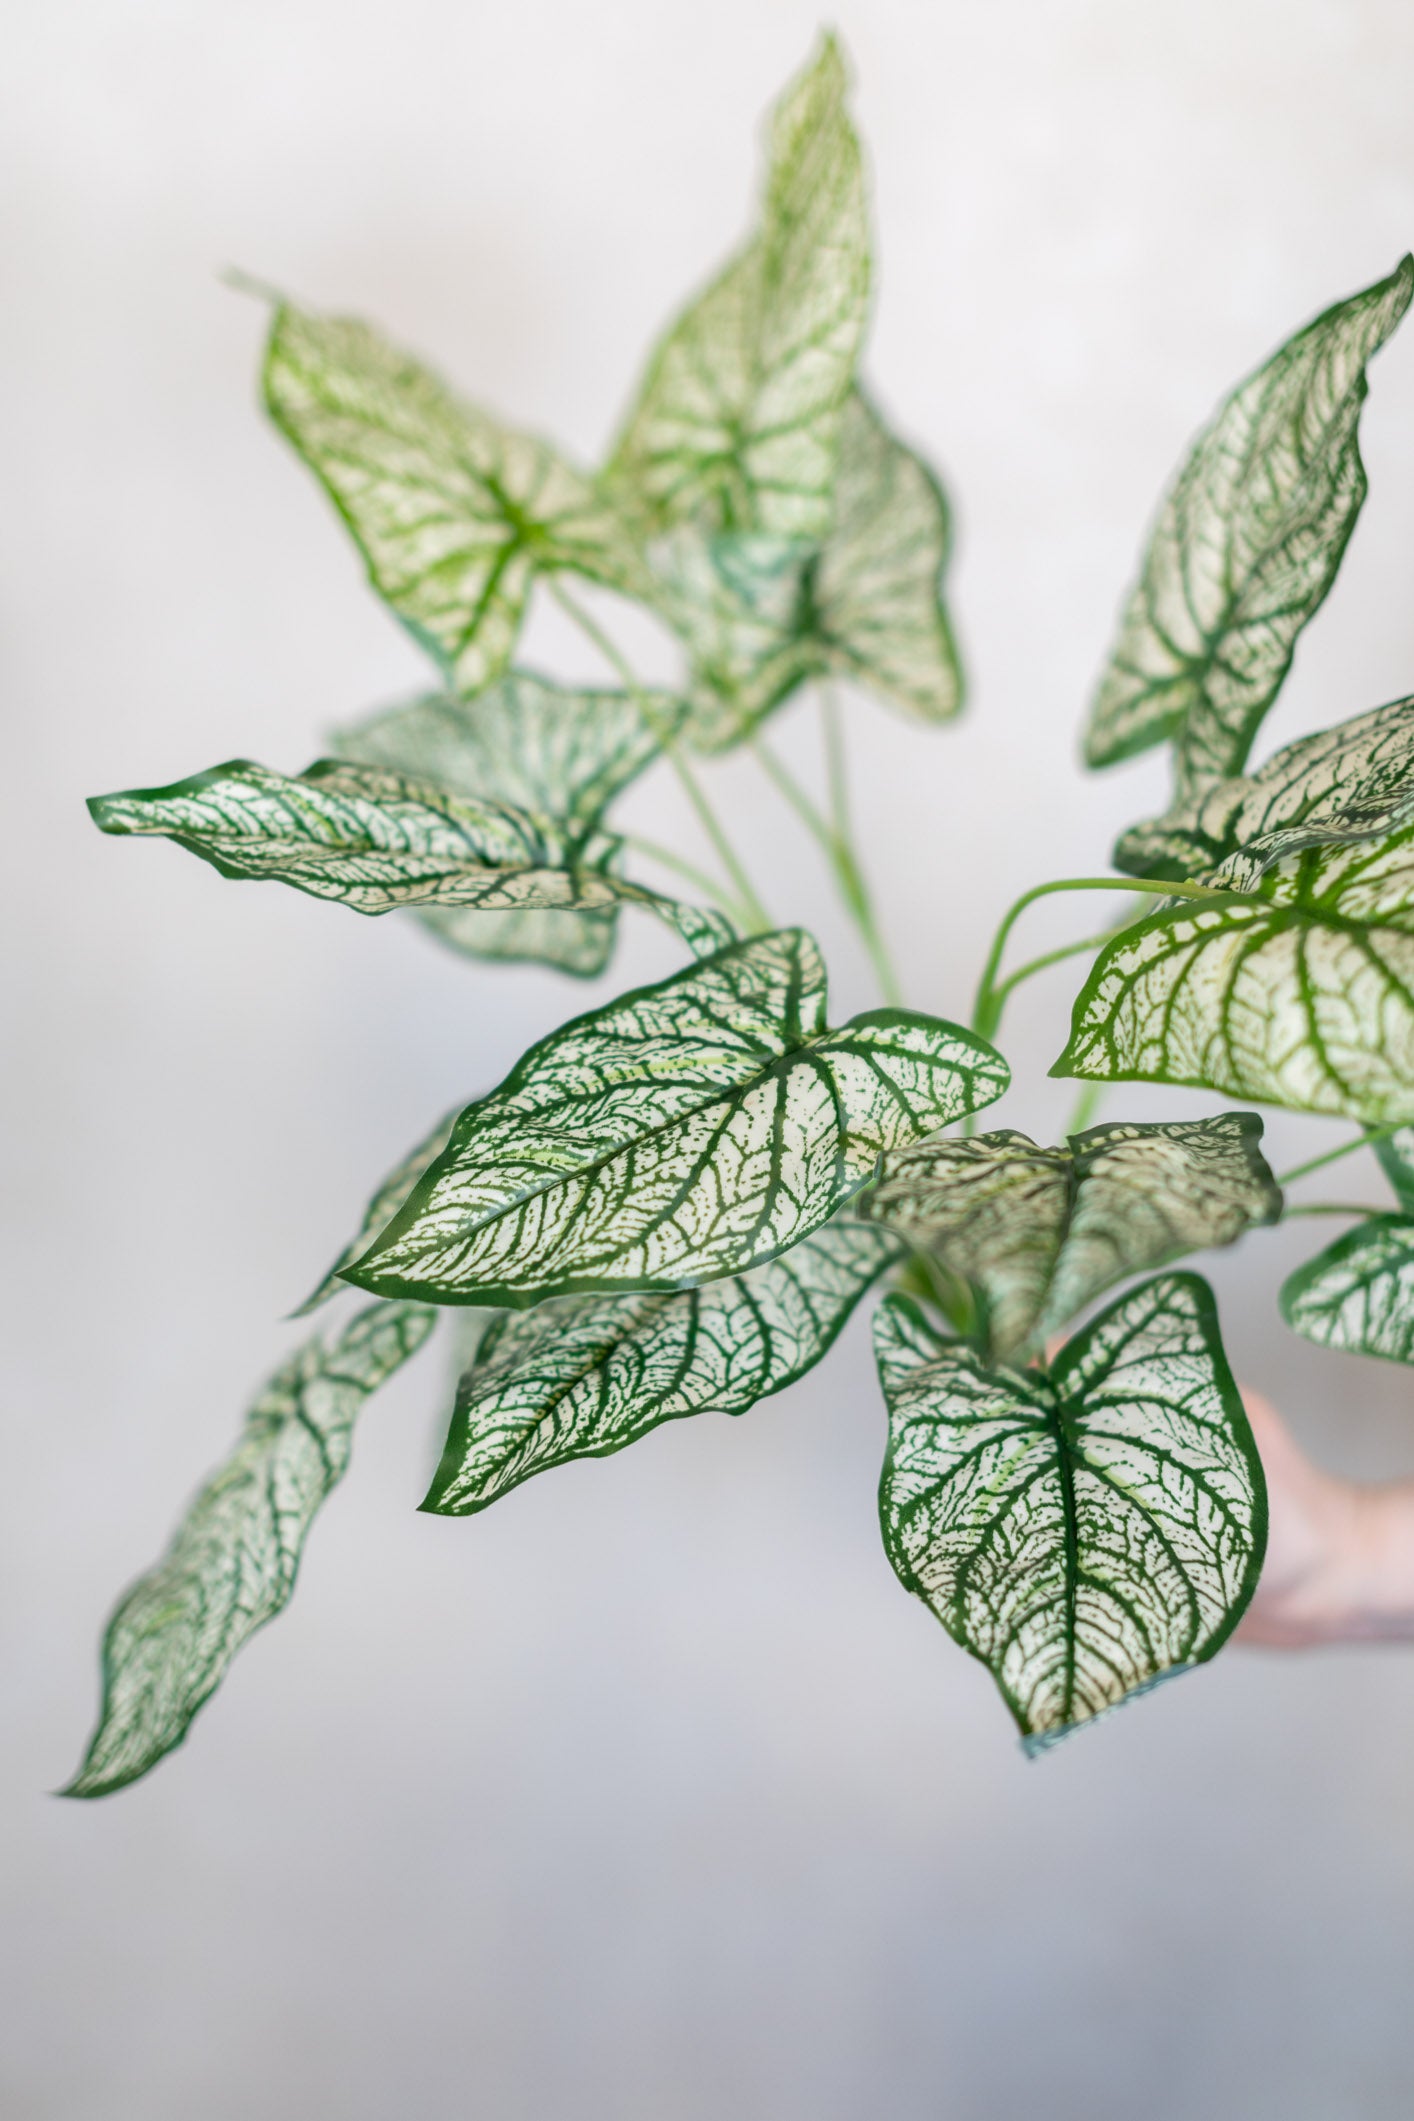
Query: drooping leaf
[[1353, 782], [581, 1376], [1083, 1530], [761, 615], [1040, 1233], [1299, 994], [1358, 1295], [687, 1130], [233, 1562], [375, 841], [737, 421], [529, 743], [1245, 549], [454, 514], [383, 1205]]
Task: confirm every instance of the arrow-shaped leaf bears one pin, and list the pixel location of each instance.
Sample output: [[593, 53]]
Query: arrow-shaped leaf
[[526, 742], [737, 421], [454, 514], [233, 1562], [1246, 546], [581, 1376], [1040, 1233], [1300, 994], [688, 1130], [1358, 1295], [1083, 1530], [375, 841]]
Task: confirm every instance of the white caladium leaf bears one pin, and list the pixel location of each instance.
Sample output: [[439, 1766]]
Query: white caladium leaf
[[233, 1562], [687, 1130], [376, 841], [737, 422], [383, 1205], [581, 1376], [761, 615], [1353, 782], [1358, 1295], [454, 514], [541, 748], [1246, 547], [1040, 1233], [1084, 1530], [1299, 994]]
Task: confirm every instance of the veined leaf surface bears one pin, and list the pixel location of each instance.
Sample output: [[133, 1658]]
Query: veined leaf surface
[[1358, 1295], [454, 514], [581, 1376], [1353, 782], [1040, 1233], [1301, 994], [540, 748], [233, 1562], [688, 1130], [1246, 546], [737, 421], [376, 841], [1086, 1529]]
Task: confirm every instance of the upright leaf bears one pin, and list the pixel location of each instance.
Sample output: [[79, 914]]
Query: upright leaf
[[376, 841], [1083, 1530], [1358, 1295], [1040, 1233], [1353, 782], [526, 742], [737, 421], [1300, 994], [454, 514], [1245, 549], [581, 1376], [688, 1130], [233, 1562]]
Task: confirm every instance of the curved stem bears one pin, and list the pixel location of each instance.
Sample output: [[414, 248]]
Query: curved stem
[[1360, 1141], [757, 916], [1330, 1207], [1085, 1107], [707, 885]]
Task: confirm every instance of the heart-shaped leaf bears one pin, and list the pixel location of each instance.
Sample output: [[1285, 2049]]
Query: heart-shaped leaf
[[454, 514], [737, 422], [1358, 1295], [1299, 994], [761, 615], [1040, 1233], [233, 1562], [526, 742], [581, 1376], [1353, 782], [1246, 546], [375, 841], [1083, 1530], [687, 1130]]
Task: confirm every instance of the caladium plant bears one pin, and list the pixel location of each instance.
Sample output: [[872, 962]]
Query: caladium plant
[[675, 1201]]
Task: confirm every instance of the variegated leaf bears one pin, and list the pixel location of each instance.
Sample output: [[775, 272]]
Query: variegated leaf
[[1246, 547], [523, 741], [384, 1204], [1299, 994], [454, 514], [1083, 1530], [581, 1376], [233, 1562], [1358, 1295], [375, 841], [1353, 782], [688, 1130], [737, 421], [1040, 1233]]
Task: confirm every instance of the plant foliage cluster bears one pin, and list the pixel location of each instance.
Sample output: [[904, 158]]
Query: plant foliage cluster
[[674, 1202]]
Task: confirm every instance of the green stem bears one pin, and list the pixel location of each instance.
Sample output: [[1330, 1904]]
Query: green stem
[[1329, 1207], [757, 917], [1360, 1141], [707, 885], [1085, 1107]]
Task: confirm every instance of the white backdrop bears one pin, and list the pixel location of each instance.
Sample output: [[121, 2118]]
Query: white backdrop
[[648, 1794]]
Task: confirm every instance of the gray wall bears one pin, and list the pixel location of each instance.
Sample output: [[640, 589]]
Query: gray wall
[[648, 1794]]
